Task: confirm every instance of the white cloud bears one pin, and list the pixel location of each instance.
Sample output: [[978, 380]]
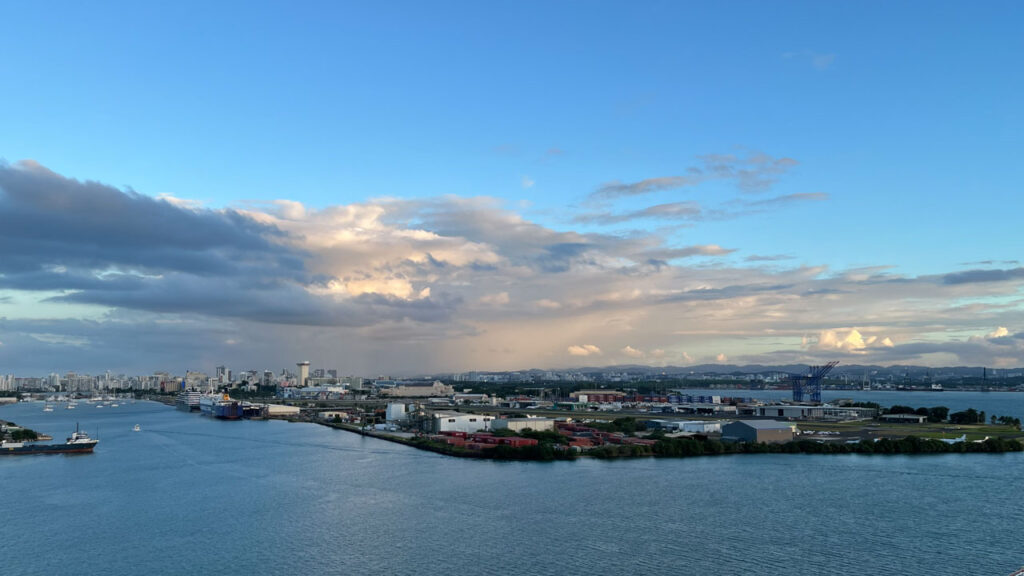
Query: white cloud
[[721, 358], [527, 182], [999, 332], [584, 350], [499, 299], [849, 341], [632, 352]]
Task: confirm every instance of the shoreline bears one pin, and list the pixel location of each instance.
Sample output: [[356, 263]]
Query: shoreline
[[690, 447]]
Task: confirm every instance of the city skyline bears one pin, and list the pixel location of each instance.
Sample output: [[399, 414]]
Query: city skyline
[[458, 187]]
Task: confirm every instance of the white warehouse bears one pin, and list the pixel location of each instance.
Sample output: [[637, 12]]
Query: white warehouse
[[444, 421]]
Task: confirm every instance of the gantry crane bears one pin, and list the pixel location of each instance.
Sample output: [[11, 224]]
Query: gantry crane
[[811, 382]]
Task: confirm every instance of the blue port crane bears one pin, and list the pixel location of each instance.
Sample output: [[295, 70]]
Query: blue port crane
[[811, 383]]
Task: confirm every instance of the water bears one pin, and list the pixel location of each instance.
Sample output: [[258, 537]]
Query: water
[[191, 495]]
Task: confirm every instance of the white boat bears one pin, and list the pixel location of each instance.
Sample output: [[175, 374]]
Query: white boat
[[47, 408], [136, 428]]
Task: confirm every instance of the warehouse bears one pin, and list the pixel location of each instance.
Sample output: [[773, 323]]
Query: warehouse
[[767, 431], [519, 424], [445, 421]]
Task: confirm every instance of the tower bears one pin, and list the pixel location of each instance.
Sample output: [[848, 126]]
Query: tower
[[303, 372]]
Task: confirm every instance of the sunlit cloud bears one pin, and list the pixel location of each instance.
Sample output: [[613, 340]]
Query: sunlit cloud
[[584, 350], [441, 283]]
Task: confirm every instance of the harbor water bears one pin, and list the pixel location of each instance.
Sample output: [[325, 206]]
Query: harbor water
[[187, 494]]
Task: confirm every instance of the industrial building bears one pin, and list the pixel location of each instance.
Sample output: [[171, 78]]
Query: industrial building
[[808, 412], [767, 431], [691, 426], [396, 412], [282, 410], [903, 418], [417, 389], [444, 421], [597, 396], [519, 424]]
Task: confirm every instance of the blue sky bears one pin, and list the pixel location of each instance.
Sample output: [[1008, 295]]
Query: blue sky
[[804, 141]]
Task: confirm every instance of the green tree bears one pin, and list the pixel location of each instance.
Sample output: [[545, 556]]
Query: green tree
[[938, 414]]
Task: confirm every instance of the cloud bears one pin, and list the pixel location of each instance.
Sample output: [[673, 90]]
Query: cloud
[[427, 283], [632, 352], [584, 350], [786, 200], [767, 257], [850, 341], [689, 251], [999, 332], [754, 172], [617, 189], [975, 276], [499, 299], [721, 358], [671, 211], [527, 182]]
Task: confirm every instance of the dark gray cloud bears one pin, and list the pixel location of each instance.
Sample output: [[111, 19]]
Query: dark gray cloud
[[48, 221], [99, 245], [978, 276]]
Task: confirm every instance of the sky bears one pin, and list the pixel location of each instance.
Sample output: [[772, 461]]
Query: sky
[[403, 188]]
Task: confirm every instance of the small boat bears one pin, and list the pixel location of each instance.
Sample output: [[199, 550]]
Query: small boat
[[136, 428], [47, 408]]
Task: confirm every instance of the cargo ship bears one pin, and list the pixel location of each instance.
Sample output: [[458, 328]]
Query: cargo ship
[[220, 406], [78, 443], [188, 400]]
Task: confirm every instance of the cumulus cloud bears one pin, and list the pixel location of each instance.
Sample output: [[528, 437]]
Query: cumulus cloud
[[721, 358], [850, 341], [584, 350], [435, 281], [633, 352], [998, 333]]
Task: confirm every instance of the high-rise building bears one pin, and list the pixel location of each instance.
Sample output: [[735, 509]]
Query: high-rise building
[[303, 373]]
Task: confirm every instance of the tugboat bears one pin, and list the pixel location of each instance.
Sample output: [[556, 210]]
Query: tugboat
[[78, 443]]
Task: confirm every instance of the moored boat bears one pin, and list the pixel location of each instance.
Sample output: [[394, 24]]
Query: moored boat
[[188, 400], [78, 443]]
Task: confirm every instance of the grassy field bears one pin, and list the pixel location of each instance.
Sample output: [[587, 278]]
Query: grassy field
[[927, 430]]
